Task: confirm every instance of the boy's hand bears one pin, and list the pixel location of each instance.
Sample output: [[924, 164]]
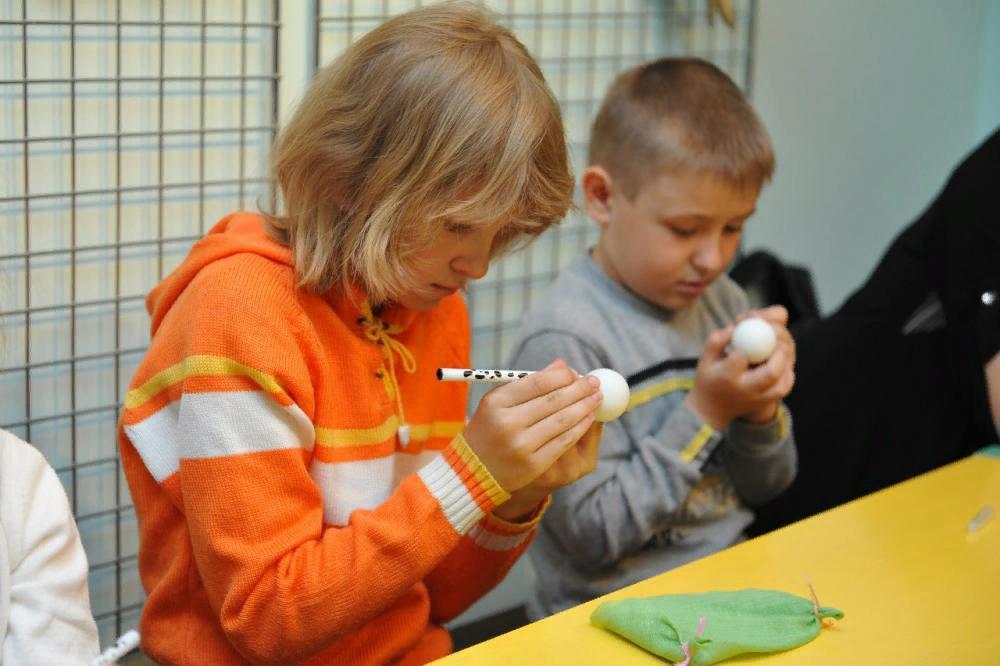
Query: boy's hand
[[577, 462], [727, 387], [521, 429]]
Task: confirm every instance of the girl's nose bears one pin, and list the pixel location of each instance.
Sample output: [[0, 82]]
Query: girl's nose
[[472, 265]]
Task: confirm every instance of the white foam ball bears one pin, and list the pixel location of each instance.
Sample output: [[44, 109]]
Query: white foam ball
[[615, 391], [755, 338]]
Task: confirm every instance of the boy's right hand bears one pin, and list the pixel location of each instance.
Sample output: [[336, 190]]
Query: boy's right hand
[[726, 387], [520, 429]]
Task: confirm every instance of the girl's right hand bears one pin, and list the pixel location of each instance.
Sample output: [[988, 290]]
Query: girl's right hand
[[520, 429]]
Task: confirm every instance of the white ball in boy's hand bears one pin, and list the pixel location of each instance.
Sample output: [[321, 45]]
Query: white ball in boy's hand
[[755, 338], [614, 390]]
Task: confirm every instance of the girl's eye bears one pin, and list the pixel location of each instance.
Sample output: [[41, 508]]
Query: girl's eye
[[733, 229], [459, 229]]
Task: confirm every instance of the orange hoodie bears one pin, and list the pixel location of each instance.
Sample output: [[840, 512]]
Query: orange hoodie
[[282, 519]]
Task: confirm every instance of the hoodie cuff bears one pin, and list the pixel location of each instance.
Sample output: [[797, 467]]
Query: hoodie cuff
[[495, 533], [462, 485]]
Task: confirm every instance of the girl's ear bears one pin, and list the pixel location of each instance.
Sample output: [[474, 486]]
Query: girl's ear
[[597, 191]]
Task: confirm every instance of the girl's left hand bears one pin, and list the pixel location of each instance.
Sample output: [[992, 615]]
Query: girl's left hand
[[577, 462]]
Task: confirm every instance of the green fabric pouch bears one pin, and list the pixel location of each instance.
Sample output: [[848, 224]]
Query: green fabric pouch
[[713, 626]]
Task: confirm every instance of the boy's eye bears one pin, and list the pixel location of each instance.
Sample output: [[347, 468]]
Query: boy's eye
[[683, 232], [733, 228]]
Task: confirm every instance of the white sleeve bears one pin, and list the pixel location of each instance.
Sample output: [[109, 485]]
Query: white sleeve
[[49, 619]]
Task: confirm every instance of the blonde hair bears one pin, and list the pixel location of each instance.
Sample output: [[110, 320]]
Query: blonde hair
[[437, 116], [679, 114]]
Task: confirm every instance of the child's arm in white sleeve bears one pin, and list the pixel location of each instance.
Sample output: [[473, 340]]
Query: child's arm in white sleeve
[[49, 619]]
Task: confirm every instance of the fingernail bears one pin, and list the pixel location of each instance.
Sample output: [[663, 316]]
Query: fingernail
[[594, 381]]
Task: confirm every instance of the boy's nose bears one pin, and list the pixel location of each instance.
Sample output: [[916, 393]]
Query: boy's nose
[[708, 258]]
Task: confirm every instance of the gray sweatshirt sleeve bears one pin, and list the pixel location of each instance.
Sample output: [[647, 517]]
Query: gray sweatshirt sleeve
[[761, 458], [639, 482]]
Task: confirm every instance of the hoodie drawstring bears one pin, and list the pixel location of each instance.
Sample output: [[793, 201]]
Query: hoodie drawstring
[[381, 332]]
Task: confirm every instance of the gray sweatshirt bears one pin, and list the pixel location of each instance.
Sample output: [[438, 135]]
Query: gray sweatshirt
[[668, 489]]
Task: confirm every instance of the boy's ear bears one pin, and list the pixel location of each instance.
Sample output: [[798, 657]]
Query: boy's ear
[[597, 191]]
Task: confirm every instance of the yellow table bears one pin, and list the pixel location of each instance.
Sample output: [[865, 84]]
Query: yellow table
[[915, 585]]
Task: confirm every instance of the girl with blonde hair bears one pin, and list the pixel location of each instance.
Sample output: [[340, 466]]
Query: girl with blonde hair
[[306, 489]]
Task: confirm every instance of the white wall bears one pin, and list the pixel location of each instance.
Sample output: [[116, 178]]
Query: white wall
[[870, 105], [989, 104]]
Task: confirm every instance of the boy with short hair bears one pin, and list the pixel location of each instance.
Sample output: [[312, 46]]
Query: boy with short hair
[[677, 160]]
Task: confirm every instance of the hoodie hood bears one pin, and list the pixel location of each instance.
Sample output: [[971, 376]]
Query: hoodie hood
[[234, 234]]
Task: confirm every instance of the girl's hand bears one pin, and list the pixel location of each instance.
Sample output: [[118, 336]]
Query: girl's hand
[[521, 429], [577, 462]]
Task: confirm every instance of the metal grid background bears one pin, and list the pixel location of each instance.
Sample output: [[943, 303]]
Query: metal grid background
[[128, 128], [580, 45]]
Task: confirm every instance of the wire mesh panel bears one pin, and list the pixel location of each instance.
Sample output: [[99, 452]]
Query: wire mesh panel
[[126, 130], [580, 45]]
